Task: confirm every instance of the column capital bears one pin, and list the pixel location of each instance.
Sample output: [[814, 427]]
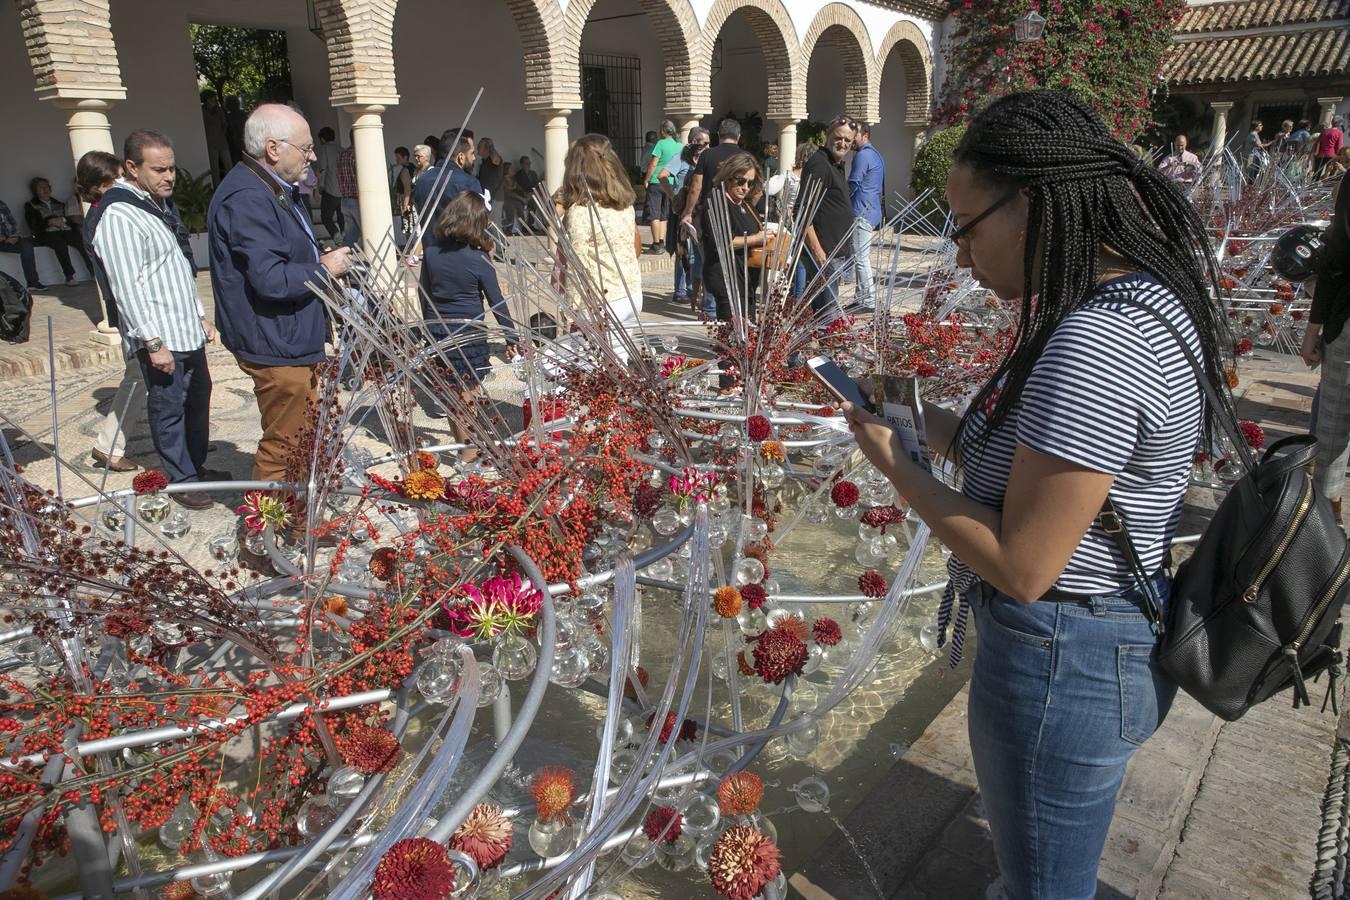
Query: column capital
[[360, 106], [86, 104], [780, 124], [685, 113], [1222, 106], [1329, 101], [550, 112]]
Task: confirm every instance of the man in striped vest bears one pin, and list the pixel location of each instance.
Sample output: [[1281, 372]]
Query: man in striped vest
[[163, 324]]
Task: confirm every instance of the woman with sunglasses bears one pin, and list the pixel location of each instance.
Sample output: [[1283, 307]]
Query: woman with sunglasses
[[1094, 400], [736, 179]]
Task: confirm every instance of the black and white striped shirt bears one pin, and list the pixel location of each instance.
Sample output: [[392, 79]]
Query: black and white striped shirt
[[1112, 392]]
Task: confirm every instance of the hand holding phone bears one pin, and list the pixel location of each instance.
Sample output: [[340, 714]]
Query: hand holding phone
[[838, 383]]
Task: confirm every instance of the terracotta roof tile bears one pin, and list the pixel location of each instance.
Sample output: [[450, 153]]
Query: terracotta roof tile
[[1228, 16], [1261, 57]]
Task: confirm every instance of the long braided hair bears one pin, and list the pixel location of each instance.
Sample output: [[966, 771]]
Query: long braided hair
[[1086, 190]]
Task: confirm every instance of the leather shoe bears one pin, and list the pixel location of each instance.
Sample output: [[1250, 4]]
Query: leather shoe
[[193, 499], [204, 474], [113, 463]]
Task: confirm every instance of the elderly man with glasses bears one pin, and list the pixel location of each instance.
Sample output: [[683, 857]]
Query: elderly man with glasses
[[263, 253], [829, 235]]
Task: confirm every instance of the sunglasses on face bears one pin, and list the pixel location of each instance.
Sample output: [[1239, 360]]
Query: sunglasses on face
[[742, 182]]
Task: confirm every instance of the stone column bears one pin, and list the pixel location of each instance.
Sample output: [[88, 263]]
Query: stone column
[[89, 129], [685, 126], [555, 146], [372, 180], [1220, 133], [1328, 105], [787, 144]]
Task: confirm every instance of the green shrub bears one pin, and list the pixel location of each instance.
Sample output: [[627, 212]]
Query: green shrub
[[932, 162], [192, 196]]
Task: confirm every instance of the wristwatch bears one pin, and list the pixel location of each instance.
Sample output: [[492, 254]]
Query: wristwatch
[[154, 346]]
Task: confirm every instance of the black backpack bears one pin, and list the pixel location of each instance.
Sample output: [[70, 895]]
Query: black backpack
[[16, 310], [1254, 609]]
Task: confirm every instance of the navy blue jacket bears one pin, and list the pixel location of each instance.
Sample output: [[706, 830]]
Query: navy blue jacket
[[261, 258], [457, 182], [458, 279]]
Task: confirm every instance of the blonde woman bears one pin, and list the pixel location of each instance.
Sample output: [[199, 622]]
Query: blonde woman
[[596, 205]]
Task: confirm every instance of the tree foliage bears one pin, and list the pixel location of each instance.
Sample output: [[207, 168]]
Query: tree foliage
[[932, 162], [250, 62], [1107, 52]]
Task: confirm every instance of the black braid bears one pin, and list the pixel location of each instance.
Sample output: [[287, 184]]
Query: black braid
[[1087, 190]]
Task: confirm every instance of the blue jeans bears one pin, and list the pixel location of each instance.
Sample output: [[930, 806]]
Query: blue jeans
[[1061, 697], [683, 272], [798, 281], [825, 301], [178, 410], [351, 213], [862, 261]]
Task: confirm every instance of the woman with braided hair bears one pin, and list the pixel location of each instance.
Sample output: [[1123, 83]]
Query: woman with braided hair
[[1095, 399]]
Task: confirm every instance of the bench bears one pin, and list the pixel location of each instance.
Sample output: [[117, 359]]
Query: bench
[[49, 269]]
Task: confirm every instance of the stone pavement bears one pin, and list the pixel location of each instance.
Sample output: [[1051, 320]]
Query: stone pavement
[[1208, 809]]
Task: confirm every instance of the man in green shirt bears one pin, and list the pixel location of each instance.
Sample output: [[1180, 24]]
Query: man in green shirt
[[658, 203]]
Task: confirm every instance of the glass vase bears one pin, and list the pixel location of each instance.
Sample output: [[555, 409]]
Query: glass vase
[[153, 507], [514, 657], [551, 837]]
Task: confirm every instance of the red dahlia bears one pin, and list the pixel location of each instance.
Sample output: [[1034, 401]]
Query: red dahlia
[[663, 823], [779, 653], [872, 584], [758, 428], [369, 749], [149, 481], [414, 869], [1243, 347], [826, 632], [881, 516], [383, 563], [647, 499], [485, 835], [742, 862], [424, 459], [754, 595], [844, 493], [688, 728], [1252, 434]]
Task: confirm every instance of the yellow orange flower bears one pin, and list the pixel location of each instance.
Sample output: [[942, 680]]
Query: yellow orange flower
[[554, 790], [740, 794], [336, 605], [771, 451], [424, 484], [727, 602]]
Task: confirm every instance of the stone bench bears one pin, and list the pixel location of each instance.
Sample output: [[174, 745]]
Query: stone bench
[[48, 267]]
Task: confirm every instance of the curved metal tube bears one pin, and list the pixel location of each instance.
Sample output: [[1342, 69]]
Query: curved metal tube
[[529, 708]]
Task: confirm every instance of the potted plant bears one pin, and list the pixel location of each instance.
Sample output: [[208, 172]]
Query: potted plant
[[192, 196]]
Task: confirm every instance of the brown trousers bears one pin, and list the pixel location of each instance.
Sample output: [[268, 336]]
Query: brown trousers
[[284, 394]]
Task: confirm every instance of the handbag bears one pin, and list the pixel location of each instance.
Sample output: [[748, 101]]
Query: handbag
[[1254, 609], [762, 256]]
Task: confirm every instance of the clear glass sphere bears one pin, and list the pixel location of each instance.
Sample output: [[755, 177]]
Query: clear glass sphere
[[514, 657], [749, 571], [802, 741], [813, 794], [490, 684], [314, 815], [438, 678], [666, 521], [751, 621], [928, 637]]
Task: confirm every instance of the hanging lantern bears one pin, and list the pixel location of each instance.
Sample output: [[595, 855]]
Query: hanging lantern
[[1030, 28]]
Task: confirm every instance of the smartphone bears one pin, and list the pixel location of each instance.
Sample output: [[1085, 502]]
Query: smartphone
[[837, 382]]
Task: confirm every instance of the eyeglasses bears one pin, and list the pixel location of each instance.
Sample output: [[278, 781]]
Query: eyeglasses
[[304, 151], [963, 232], [700, 143], [742, 182]]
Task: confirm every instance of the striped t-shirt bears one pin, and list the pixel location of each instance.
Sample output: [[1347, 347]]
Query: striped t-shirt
[[1112, 392]]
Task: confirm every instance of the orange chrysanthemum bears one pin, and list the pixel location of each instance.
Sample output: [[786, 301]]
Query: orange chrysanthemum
[[743, 665], [794, 625], [336, 605], [554, 789], [727, 601], [425, 459], [1232, 377], [739, 794], [771, 451], [424, 484]]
